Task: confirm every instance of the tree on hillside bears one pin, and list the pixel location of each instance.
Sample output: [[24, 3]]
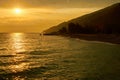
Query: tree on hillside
[[74, 28], [63, 30], [112, 29]]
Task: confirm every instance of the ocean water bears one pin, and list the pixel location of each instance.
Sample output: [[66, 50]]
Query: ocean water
[[35, 57]]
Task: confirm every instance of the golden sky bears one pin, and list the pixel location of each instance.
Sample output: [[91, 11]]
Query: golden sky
[[37, 15]]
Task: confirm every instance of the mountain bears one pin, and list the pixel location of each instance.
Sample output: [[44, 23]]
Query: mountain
[[106, 20]]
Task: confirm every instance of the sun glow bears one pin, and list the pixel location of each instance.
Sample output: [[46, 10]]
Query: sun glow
[[17, 10]]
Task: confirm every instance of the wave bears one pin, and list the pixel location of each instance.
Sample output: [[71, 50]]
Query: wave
[[29, 73], [3, 49], [40, 52], [7, 56]]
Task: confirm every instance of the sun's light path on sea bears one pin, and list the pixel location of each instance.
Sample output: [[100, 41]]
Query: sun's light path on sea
[[17, 39], [17, 47]]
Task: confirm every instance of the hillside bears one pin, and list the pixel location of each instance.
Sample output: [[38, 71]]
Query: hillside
[[106, 21]]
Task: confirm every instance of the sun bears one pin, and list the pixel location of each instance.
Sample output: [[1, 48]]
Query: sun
[[17, 11]]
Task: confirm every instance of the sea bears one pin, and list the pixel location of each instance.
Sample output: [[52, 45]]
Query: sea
[[31, 56]]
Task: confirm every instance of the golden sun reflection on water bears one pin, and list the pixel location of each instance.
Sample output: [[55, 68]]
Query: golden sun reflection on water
[[17, 61], [18, 43], [18, 68]]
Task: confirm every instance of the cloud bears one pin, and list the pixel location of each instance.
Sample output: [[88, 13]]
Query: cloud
[[56, 3]]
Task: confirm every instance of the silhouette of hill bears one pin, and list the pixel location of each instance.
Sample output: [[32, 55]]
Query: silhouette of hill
[[105, 21]]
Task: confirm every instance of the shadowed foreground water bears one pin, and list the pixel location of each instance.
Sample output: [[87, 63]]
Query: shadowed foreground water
[[32, 57]]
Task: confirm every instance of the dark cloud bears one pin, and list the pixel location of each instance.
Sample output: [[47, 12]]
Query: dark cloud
[[56, 3]]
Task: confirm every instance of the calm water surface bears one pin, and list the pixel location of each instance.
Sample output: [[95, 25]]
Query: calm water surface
[[32, 57]]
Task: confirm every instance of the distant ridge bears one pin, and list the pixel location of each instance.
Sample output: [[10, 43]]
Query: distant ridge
[[106, 20]]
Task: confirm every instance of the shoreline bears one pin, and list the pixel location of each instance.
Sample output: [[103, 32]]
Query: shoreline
[[111, 38]]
